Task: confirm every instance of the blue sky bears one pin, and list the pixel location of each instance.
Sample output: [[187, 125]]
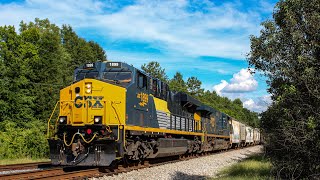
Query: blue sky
[[206, 39]]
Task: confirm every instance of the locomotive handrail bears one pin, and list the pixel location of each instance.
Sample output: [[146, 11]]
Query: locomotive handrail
[[69, 101], [115, 110], [54, 110], [56, 121]]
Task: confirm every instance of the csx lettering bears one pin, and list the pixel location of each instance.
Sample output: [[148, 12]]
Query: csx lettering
[[78, 104], [98, 103], [90, 99]]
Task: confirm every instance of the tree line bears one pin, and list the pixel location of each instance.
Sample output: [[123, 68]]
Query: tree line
[[192, 86], [36, 60]]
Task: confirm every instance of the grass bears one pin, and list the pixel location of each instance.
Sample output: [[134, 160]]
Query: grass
[[255, 167], [21, 161]]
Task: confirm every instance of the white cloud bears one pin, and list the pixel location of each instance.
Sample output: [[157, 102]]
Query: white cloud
[[260, 104], [220, 30], [242, 81], [249, 104], [219, 87], [243, 85]]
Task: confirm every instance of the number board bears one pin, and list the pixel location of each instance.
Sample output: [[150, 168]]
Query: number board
[[113, 64], [89, 66]]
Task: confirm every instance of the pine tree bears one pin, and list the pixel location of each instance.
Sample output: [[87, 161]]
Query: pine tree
[[177, 83], [194, 86], [155, 70]]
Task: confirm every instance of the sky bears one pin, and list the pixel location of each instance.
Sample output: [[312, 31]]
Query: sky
[[205, 39]]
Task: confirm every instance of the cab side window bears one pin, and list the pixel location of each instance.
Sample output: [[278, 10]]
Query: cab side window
[[142, 81], [164, 91], [159, 89], [154, 87]]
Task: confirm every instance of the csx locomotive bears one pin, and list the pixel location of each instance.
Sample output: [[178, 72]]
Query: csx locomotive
[[114, 112]]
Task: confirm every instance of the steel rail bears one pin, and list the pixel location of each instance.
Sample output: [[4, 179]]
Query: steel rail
[[12, 167]]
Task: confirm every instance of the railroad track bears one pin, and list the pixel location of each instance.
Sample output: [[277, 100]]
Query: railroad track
[[12, 167], [75, 173], [61, 173]]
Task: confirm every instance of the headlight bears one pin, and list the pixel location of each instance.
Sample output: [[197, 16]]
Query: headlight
[[63, 119], [98, 119], [88, 87]]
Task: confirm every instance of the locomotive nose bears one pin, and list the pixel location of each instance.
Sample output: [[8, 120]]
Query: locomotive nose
[[88, 103]]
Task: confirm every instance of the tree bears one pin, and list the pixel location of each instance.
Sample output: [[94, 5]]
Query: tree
[[16, 57], [80, 50], [177, 83], [194, 86], [98, 52], [155, 70], [238, 102], [51, 68], [288, 52]]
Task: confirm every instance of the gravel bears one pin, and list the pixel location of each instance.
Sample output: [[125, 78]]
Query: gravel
[[199, 168]]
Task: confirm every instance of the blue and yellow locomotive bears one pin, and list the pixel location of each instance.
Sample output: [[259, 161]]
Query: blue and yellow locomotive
[[114, 112]]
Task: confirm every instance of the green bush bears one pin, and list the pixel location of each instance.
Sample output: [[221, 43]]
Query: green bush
[[20, 142]]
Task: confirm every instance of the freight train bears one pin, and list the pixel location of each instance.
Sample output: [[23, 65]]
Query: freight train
[[114, 112]]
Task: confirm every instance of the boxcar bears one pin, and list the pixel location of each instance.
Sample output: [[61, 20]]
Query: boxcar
[[235, 133], [249, 135], [256, 136]]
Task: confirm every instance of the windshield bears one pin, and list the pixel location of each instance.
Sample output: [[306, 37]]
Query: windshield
[[88, 74], [121, 77]]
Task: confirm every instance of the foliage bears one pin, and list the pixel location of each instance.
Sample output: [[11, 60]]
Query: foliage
[[288, 52], [17, 142], [194, 86], [80, 50], [154, 69], [177, 83], [35, 63], [254, 167]]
